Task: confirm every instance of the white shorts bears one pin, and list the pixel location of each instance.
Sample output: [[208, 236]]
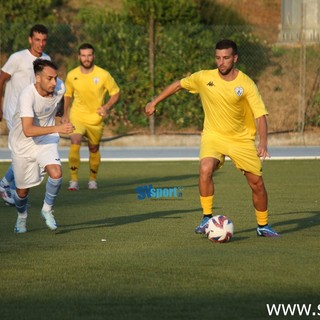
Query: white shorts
[[29, 170]]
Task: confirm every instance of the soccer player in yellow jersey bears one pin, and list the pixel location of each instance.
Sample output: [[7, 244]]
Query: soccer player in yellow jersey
[[88, 85], [233, 109]]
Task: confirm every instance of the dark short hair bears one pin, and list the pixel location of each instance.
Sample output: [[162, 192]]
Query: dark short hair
[[226, 44], [39, 28], [86, 46], [40, 64]]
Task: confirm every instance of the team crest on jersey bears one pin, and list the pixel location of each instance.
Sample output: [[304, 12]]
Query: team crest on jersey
[[239, 91], [96, 80]]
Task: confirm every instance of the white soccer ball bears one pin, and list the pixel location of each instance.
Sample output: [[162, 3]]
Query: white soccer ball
[[219, 229]]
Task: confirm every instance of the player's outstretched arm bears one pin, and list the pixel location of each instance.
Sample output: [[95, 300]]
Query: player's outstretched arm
[[173, 88]]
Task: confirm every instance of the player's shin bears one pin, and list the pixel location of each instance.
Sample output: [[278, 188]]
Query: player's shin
[[207, 205], [52, 190], [74, 161], [9, 176], [262, 217], [94, 163], [21, 204]]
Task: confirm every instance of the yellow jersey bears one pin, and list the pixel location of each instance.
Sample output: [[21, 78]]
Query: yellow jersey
[[88, 92], [230, 107]]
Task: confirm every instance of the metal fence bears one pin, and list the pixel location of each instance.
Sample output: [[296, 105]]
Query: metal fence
[[290, 87]]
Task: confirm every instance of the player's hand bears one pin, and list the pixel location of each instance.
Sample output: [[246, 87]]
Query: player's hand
[[65, 119], [102, 112], [66, 128], [262, 152], [150, 109]]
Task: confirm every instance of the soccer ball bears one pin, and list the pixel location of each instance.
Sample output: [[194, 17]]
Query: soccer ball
[[219, 229]]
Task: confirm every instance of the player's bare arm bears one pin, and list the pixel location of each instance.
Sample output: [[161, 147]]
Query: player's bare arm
[[66, 106], [103, 110], [262, 148], [173, 88], [30, 130], [4, 77]]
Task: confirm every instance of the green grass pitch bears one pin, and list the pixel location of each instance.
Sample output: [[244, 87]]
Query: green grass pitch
[[151, 264]]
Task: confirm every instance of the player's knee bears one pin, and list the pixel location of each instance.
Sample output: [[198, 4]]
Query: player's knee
[[54, 171], [257, 185], [94, 148], [206, 171], [22, 193], [56, 176]]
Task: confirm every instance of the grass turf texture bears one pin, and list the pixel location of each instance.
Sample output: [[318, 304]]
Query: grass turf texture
[[152, 264]]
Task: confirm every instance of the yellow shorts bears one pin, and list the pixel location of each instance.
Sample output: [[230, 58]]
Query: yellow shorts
[[242, 153], [92, 132]]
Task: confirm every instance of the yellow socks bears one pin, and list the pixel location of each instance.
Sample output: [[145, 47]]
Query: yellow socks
[[94, 163], [74, 161], [207, 207], [262, 217], [206, 204]]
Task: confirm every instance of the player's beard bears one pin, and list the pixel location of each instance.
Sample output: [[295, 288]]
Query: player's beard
[[226, 71], [86, 64]]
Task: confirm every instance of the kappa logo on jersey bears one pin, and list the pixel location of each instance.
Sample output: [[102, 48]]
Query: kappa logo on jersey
[[96, 80], [210, 84], [239, 91]]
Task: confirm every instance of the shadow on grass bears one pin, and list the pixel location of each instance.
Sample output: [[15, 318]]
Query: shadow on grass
[[121, 186], [137, 182], [117, 221], [298, 224]]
